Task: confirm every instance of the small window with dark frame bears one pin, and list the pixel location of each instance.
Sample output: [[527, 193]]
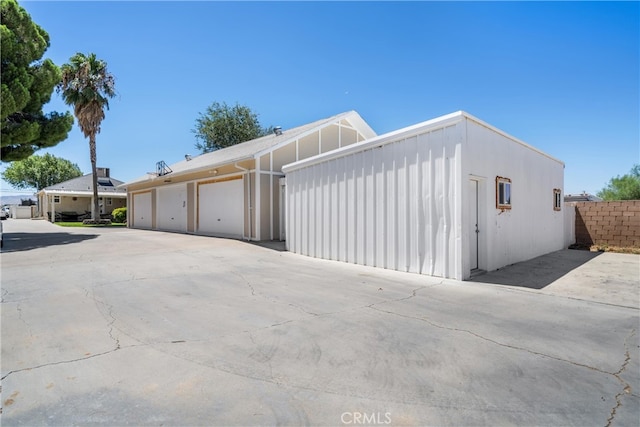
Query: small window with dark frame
[[557, 199], [56, 199], [503, 193]]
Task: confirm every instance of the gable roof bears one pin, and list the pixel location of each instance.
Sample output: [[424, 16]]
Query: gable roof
[[258, 147], [84, 184]]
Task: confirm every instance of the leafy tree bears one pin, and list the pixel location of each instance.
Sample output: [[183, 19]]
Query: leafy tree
[[40, 171], [223, 126], [626, 187], [27, 84], [87, 85]]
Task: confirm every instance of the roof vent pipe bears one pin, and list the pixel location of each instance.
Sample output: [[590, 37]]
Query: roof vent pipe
[[277, 130], [187, 157]]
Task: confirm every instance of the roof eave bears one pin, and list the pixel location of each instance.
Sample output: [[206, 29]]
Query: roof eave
[[87, 193], [198, 169]]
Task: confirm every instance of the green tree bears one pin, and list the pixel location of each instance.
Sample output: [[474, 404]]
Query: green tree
[[223, 126], [40, 171], [626, 187], [27, 84], [87, 85]]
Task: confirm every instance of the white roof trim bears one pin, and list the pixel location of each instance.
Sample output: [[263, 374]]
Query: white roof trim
[[181, 168], [429, 125], [362, 128], [118, 194], [386, 138]]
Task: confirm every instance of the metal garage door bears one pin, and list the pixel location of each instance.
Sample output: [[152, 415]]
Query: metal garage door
[[141, 210], [221, 208], [172, 208]]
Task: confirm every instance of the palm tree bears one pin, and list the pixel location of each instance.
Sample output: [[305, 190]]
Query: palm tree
[[87, 85]]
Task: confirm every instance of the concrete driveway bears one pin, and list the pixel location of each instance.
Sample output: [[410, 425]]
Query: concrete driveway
[[132, 327]]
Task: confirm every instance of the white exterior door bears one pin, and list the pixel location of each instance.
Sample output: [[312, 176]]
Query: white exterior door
[[142, 210], [221, 208], [473, 224], [172, 208]]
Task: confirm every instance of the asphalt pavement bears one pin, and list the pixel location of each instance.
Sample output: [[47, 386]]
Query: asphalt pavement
[[112, 326]]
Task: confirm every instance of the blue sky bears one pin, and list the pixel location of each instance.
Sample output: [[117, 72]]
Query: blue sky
[[561, 76]]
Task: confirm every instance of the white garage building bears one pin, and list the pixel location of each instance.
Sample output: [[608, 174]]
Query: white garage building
[[445, 198]]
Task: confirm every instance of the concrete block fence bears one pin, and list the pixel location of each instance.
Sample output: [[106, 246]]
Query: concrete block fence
[[607, 223]]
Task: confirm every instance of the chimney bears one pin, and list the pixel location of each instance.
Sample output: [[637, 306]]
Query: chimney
[[102, 172]]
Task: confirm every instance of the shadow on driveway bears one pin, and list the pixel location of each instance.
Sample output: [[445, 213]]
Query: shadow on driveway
[[15, 242], [276, 245], [539, 272]]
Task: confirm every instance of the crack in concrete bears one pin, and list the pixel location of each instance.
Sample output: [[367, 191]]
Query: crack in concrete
[[4, 294], [303, 310], [335, 391], [414, 293], [626, 387], [264, 357], [514, 347], [63, 362], [115, 339], [19, 310], [108, 308], [248, 283], [551, 294]]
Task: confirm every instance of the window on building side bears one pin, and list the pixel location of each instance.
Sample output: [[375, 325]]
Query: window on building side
[[56, 199], [109, 201], [557, 199], [503, 193]]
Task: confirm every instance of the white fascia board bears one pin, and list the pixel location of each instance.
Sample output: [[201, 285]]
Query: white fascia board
[[140, 180], [359, 124], [386, 138], [83, 193], [511, 137], [150, 178], [204, 167]]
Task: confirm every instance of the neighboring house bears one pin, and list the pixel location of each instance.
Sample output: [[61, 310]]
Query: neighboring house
[[446, 197], [235, 191], [22, 212], [584, 197], [73, 199]]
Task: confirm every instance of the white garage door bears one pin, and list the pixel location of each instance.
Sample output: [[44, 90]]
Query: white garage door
[[172, 208], [221, 208], [142, 210]]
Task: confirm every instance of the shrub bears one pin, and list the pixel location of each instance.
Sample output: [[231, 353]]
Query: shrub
[[119, 215]]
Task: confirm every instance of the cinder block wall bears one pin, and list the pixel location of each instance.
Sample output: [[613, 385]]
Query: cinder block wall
[[608, 223]]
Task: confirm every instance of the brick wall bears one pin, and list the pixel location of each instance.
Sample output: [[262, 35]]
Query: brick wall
[[608, 223]]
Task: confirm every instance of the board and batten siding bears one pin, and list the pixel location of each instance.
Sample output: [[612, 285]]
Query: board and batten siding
[[395, 206], [423, 199]]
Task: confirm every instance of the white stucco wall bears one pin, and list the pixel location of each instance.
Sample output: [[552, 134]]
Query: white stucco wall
[[531, 227]]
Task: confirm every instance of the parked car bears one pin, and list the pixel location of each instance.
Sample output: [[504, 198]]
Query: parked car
[[3, 214]]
